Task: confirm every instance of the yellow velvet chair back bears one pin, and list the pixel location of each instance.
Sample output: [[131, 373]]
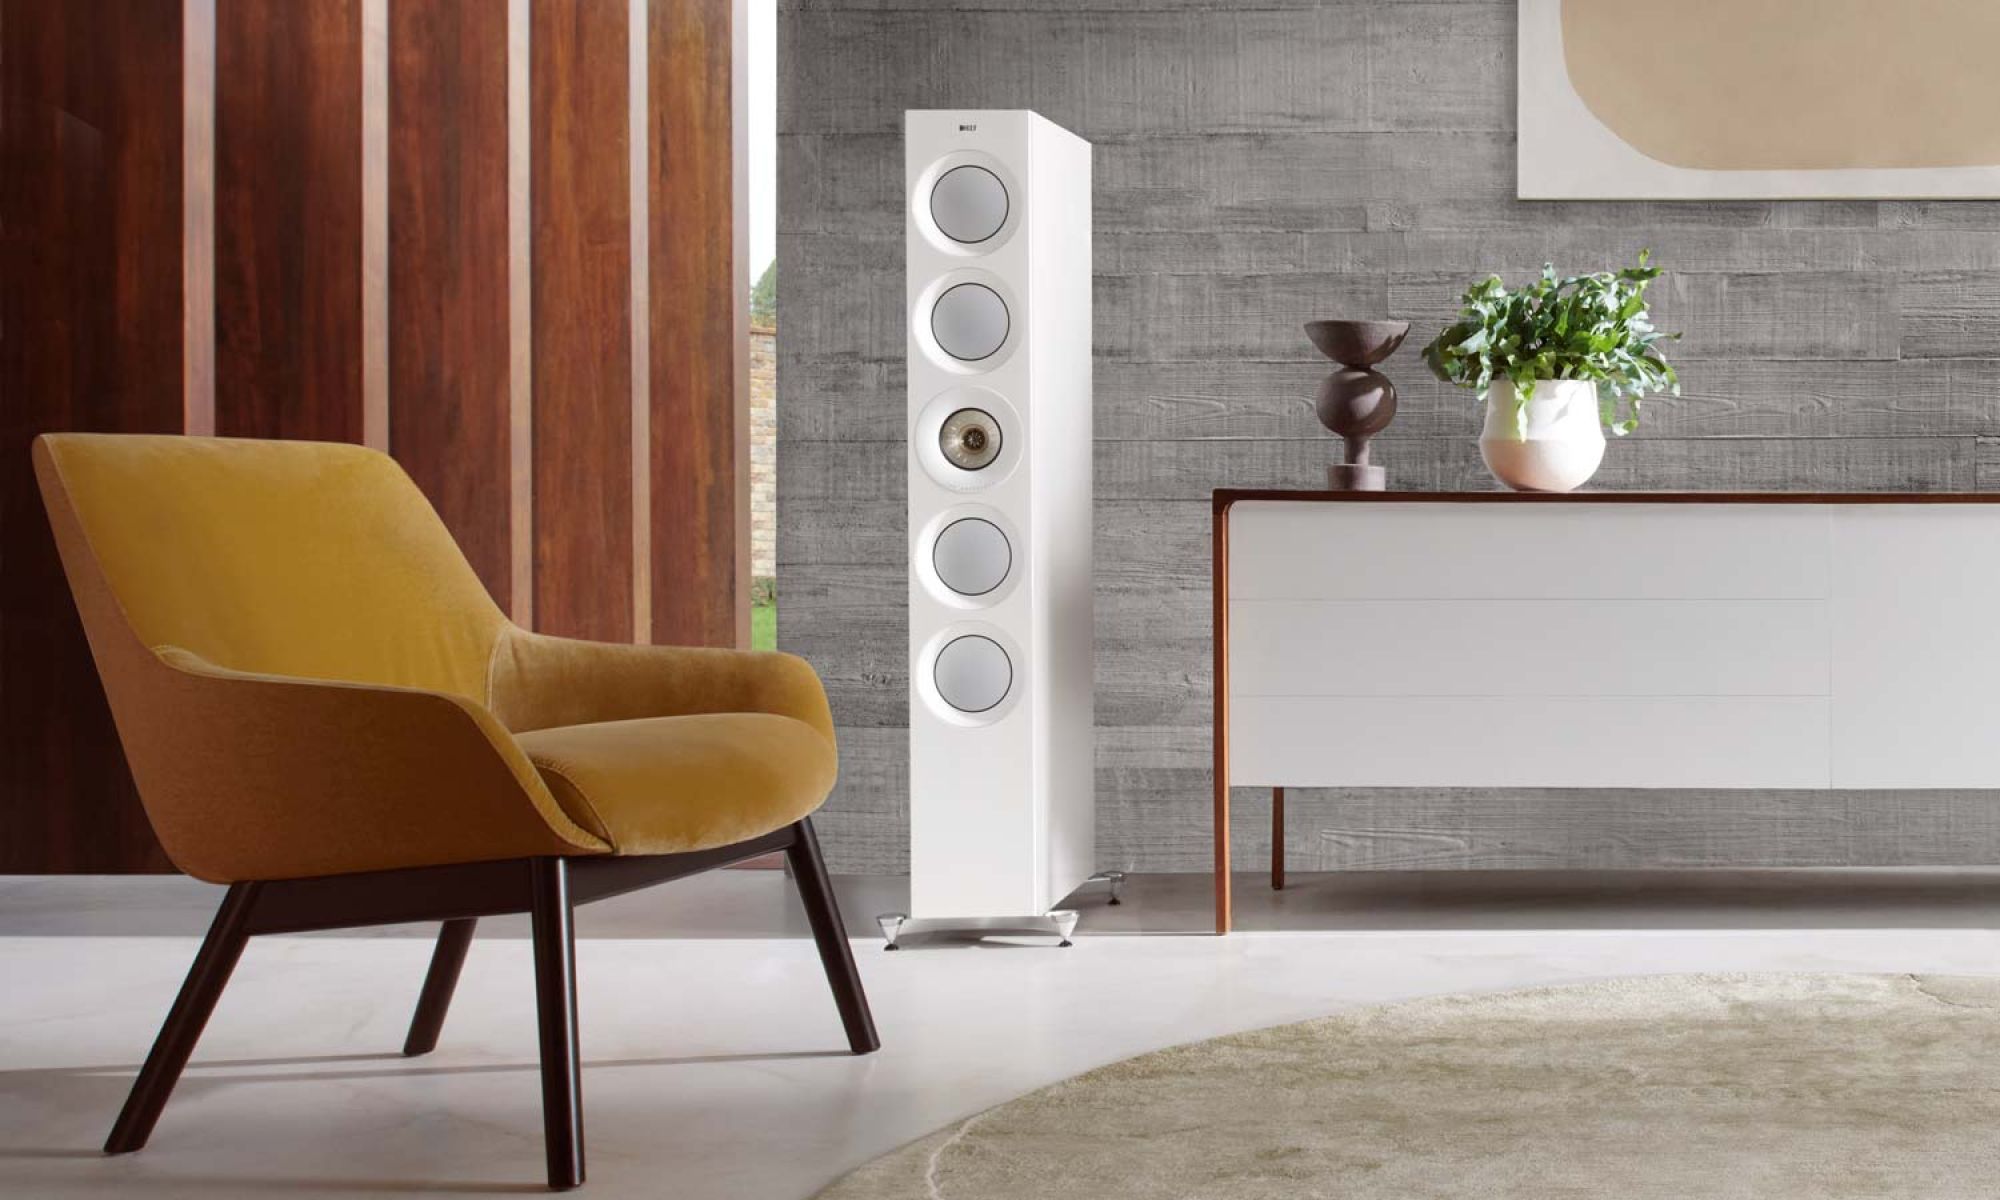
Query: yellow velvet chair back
[[309, 559], [296, 655]]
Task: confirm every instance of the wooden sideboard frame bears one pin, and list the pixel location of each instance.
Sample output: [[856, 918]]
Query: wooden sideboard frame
[[1227, 498]]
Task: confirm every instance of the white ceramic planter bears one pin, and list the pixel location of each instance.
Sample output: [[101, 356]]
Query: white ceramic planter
[[1564, 442]]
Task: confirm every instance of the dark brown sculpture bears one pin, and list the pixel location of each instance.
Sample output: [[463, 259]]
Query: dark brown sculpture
[[1357, 402]]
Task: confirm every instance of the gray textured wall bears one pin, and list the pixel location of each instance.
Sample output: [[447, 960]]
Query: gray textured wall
[[1260, 164]]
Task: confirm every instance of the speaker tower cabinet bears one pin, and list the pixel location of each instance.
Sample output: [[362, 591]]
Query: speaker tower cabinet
[[1002, 822]]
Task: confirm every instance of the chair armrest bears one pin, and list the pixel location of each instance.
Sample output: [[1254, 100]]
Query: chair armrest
[[538, 682], [275, 777]]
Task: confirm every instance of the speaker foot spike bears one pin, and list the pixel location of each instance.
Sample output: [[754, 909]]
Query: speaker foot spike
[[1064, 919]]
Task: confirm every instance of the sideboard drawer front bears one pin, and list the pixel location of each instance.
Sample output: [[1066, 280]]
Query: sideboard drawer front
[[1383, 550], [1592, 742], [1528, 648], [1916, 626]]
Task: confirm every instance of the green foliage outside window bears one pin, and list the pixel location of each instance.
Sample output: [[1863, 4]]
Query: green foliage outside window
[[764, 296]]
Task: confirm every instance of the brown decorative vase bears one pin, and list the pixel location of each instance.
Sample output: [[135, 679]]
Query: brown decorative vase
[[1356, 402]]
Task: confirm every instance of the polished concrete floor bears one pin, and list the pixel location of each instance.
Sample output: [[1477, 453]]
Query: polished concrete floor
[[714, 1063]]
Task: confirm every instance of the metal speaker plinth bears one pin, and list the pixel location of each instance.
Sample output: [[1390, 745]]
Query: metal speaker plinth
[[1060, 922]]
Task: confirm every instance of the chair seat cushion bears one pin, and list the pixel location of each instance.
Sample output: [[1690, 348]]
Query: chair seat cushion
[[665, 785]]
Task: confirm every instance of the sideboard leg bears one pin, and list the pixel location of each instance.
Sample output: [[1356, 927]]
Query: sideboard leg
[[1277, 839], [1219, 582]]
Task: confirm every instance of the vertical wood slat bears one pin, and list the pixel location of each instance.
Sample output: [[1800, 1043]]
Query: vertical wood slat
[[638, 118], [375, 223], [582, 419], [520, 321], [450, 331], [198, 216], [700, 324], [288, 219], [91, 338], [739, 299]]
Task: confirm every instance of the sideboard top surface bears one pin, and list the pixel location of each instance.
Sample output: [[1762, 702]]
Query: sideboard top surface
[[1225, 497]]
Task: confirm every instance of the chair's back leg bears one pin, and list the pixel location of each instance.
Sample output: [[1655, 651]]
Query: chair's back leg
[[446, 961], [205, 980], [555, 1002], [823, 911]]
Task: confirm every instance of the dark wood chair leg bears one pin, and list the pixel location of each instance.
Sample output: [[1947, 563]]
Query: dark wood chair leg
[[446, 962], [823, 912], [185, 1021], [555, 1003], [1277, 839]]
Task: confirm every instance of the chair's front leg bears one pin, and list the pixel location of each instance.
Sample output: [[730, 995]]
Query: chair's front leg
[[555, 1003], [823, 912], [185, 1021]]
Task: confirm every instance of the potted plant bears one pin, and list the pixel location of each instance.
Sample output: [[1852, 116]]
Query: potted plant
[[1556, 363]]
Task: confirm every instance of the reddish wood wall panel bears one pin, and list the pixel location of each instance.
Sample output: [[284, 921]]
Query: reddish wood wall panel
[[699, 351], [449, 339], [288, 219], [562, 380], [90, 338], [580, 151]]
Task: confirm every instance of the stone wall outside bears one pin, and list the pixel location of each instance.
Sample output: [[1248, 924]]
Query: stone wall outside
[[763, 455]]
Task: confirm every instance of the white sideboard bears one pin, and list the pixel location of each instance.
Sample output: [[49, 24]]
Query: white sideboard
[[1602, 640]]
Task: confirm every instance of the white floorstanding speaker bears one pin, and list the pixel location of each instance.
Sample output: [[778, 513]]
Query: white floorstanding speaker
[[1002, 821]]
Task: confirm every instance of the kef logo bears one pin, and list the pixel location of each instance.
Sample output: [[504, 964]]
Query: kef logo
[[968, 129]]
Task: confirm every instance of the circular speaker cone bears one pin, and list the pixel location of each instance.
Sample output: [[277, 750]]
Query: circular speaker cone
[[969, 322], [969, 204], [972, 556], [970, 439], [973, 673]]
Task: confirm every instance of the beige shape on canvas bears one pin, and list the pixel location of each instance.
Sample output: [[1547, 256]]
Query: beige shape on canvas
[[1797, 85]]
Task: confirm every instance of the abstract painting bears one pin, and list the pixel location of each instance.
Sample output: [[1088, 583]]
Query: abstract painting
[[1754, 99]]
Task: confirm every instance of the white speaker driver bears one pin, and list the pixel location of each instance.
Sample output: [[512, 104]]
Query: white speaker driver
[[970, 439], [969, 204], [970, 322], [972, 556], [973, 673]]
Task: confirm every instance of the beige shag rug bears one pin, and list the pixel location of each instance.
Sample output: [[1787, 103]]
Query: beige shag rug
[[1710, 1087]]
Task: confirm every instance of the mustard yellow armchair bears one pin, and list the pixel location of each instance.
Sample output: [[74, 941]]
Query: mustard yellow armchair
[[323, 709]]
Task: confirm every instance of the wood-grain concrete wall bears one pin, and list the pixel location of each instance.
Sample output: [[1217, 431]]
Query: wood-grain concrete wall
[[1258, 165]]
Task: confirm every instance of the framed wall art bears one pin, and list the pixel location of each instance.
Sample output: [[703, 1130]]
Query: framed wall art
[[1758, 99]]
